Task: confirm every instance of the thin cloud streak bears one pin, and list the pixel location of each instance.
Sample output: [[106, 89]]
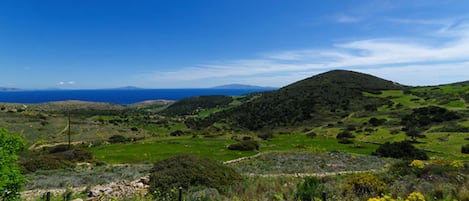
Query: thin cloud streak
[[380, 56]]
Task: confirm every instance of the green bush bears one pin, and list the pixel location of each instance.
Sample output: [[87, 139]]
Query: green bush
[[189, 171], [402, 149], [309, 189], [118, 139], [376, 122], [465, 149], [266, 135], [11, 180], [344, 134], [364, 184], [248, 145]]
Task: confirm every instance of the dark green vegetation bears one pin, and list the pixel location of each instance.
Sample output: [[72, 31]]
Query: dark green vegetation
[[11, 180], [190, 171], [334, 94], [194, 105], [402, 149], [338, 118]]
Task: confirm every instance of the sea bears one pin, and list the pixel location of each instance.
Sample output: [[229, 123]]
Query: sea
[[116, 96]]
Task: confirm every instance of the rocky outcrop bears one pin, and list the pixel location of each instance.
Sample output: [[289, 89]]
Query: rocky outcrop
[[121, 189]]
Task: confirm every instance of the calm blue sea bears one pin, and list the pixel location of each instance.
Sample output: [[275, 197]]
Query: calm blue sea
[[113, 96]]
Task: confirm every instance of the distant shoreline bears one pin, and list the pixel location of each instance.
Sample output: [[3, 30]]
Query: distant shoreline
[[115, 96]]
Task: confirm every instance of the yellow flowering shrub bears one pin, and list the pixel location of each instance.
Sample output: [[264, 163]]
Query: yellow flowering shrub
[[457, 164], [415, 196], [417, 164], [384, 198]]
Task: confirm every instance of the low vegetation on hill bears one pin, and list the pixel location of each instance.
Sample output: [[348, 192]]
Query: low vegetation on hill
[[194, 105], [319, 98]]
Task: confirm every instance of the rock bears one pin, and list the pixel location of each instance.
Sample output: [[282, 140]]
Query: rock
[[94, 193], [107, 190], [145, 180]]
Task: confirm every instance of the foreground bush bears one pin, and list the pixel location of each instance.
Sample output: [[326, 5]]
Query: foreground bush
[[190, 171], [11, 180], [402, 149], [309, 189], [364, 184]]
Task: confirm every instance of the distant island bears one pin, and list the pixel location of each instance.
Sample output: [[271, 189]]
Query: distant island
[[243, 86], [128, 88], [9, 89]]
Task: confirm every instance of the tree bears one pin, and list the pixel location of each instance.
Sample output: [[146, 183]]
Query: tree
[[414, 134], [11, 180]]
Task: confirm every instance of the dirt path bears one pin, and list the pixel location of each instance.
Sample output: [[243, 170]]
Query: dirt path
[[322, 174], [37, 147]]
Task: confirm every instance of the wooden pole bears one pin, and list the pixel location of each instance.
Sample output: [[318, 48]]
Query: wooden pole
[[69, 131], [180, 193]]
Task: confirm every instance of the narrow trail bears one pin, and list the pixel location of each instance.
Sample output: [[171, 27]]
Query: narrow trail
[[322, 174], [36, 147]]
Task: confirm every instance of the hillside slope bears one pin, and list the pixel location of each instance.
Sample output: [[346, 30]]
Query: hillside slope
[[327, 95]]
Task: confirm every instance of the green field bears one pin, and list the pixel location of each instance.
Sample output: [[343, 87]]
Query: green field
[[161, 148]]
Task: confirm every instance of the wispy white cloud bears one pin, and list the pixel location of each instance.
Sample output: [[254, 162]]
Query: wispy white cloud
[[445, 56], [62, 83]]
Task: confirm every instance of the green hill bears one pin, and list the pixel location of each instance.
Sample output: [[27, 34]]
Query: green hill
[[324, 96]]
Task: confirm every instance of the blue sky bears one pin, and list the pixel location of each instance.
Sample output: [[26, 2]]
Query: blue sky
[[190, 44]]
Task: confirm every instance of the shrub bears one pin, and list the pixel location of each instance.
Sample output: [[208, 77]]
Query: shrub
[[417, 164], [46, 162], [345, 137], [177, 133], [376, 122], [11, 180], [344, 134], [415, 196], [402, 149], [364, 184], [190, 171], [118, 139], [309, 189], [311, 134], [266, 135], [75, 155], [248, 145], [465, 149]]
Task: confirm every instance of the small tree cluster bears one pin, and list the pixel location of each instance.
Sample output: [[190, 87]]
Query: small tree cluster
[[402, 149]]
